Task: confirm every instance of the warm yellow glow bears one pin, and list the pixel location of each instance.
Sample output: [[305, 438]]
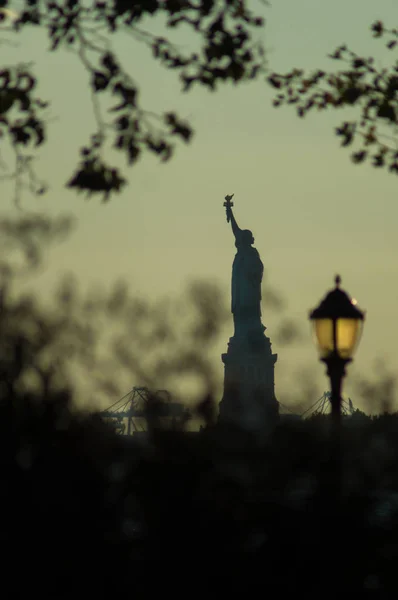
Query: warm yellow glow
[[348, 332], [323, 333], [348, 335]]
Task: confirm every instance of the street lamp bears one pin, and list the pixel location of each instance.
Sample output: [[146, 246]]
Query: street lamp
[[337, 326]]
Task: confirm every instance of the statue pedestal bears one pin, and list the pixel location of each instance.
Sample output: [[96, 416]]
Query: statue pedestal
[[249, 401]]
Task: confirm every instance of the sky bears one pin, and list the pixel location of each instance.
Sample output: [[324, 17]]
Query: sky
[[312, 212]]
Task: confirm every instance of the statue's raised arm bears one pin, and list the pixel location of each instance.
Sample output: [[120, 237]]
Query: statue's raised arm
[[230, 215]]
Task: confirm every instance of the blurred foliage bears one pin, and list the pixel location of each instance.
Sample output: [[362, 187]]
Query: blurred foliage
[[104, 342], [287, 332], [227, 51], [101, 342], [371, 92], [378, 391], [107, 341], [104, 507]]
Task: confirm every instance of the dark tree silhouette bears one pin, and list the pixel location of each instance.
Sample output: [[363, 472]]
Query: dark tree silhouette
[[371, 91], [104, 340], [226, 51]]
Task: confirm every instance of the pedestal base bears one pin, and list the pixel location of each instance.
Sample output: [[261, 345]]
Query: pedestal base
[[249, 401]]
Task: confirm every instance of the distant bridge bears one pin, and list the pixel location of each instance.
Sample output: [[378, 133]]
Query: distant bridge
[[129, 414], [321, 406]]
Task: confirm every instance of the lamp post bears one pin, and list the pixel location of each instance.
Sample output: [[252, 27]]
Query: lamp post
[[338, 324]]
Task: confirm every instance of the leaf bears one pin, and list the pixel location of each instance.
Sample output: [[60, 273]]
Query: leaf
[[100, 81], [108, 61], [20, 135], [177, 127], [95, 176], [358, 63], [351, 95], [359, 157], [386, 111], [378, 28], [379, 160], [123, 123], [370, 137], [275, 81], [7, 98], [55, 42], [188, 81], [133, 152]]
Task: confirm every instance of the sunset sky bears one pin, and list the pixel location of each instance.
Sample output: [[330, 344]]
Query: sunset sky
[[312, 212]]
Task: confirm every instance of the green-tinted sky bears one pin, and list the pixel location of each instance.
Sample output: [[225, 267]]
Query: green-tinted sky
[[311, 211]]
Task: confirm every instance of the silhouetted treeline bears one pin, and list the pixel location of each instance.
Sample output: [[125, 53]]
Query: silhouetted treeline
[[84, 508]]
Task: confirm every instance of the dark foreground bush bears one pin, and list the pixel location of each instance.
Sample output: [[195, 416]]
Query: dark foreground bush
[[84, 511]]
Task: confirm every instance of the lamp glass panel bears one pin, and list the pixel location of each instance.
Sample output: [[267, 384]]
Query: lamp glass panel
[[323, 333], [348, 334]]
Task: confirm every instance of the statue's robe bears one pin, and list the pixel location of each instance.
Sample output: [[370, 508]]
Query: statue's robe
[[247, 274]]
